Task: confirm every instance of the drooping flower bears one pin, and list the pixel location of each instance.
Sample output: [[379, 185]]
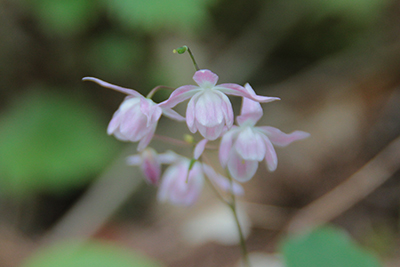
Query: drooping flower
[[243, 146], [182, 182], [137, 117], [209, 109], [150, 163]]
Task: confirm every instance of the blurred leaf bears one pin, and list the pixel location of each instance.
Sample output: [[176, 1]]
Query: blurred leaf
[[91, 254], [51, 142], [64, 16], [327, 247], [161, 14]]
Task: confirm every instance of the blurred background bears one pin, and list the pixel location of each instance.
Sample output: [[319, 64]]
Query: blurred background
[[334, 63]]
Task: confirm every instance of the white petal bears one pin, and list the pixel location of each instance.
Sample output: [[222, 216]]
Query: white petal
[[226, 145], [208, 109], [199, 149], [240, 169], [210, 133], [250, 145], [270, 156]]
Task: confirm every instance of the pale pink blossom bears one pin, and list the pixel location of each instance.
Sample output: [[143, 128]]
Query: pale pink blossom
[[150, 163], [243, 146], [182, 182], [137, 117], [179, 185], [209, 109]]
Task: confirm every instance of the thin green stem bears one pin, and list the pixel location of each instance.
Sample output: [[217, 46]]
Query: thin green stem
[[243, 246], [192, 57], [182, 50]]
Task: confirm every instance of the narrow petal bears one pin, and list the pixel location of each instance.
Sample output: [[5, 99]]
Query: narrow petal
[[210, 133], [168, 157], [172, 114], [150, 166], [226, 146], [113, 87], [237, 90], [179, 95], [222, 182], [190, 113], [250, 145], [240, 169], [145, 141], [199, 149], [226, 109], [250, 113], [280, 138], [205, 78], [270, 156]]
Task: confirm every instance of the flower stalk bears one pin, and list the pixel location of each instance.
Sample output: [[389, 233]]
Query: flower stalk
[[183, 49]]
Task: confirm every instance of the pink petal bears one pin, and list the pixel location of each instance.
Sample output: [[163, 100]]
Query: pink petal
[[270, 156], [190, 114], [179, 95], [145, 141], [227, 109], [205, 78], [210, 133], [222, 182], [176, 188], [150, 110], [208, 109], [172, 114], [199, 149], [240, 169], [150, 166], [251, 112], [113, 87], [225, 146], [237, 90], [280, 138], [250, 145], [128, 103]]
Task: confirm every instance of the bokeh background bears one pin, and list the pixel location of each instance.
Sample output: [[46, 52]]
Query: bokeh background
[[334, 63]]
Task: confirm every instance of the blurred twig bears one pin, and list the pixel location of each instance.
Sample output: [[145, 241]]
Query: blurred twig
[[101, 200], [355, 188]]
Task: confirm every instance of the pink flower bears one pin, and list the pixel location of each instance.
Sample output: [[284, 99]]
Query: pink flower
[[137, 117], [182, 186], [150, 163], [243, 146], [209, 109], [179, 185]]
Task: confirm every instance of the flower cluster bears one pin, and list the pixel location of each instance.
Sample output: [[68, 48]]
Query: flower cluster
[[209, 112]]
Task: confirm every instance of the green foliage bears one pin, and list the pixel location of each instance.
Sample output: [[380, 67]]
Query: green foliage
[[154, 15], [327, 247], [64, 16], [91, 254], [112, 55], [50, 142]]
